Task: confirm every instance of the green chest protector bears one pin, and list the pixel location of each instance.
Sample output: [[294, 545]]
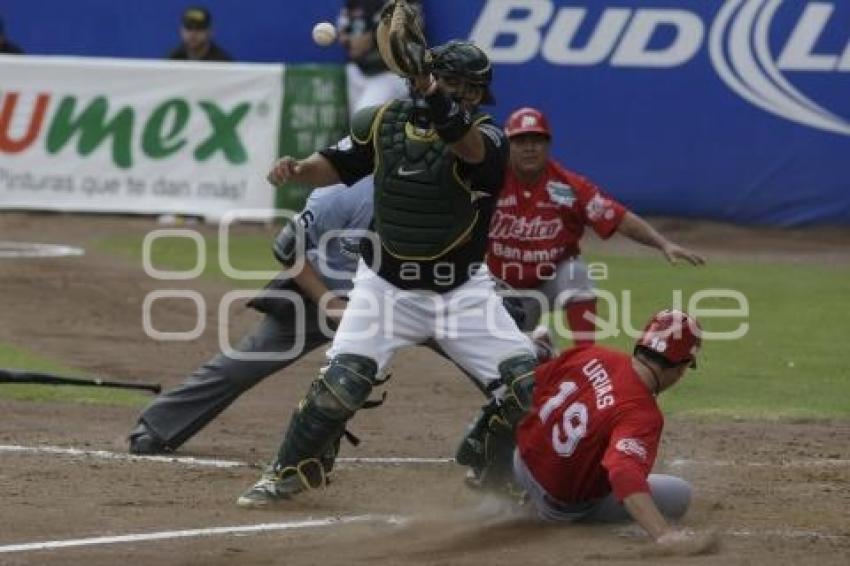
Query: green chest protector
[[423, 208]]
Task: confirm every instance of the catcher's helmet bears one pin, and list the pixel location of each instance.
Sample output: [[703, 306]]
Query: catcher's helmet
[[673, 335], [464, 60], [527, 121]]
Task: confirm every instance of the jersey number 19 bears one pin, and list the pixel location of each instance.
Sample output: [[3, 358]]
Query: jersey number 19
[[567, 433]]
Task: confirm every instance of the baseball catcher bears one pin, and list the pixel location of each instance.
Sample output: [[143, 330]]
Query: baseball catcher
[[438, 164]]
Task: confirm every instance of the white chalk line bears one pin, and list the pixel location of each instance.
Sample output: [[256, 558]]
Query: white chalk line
[[190, 533], [192, 461], [31, 249], [221, 463], [107, 455]]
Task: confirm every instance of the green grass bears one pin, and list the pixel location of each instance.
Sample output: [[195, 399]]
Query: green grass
[[246, 252], [16, 358], [791, 363]]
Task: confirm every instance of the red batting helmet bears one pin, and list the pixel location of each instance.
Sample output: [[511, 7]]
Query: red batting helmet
[[674, 335], [527, 121]]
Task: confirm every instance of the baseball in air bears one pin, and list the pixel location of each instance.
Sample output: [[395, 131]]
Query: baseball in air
[[324, 34]]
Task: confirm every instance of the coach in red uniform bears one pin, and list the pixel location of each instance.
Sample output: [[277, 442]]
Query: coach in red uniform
[[540, 217], [586, 448]]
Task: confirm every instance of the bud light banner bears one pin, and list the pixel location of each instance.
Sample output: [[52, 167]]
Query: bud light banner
[[137, 136], [736, 110]]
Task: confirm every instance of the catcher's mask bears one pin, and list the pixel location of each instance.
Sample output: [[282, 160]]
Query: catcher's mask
[[462, 64]]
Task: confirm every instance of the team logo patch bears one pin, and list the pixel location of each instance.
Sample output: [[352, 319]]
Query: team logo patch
[[561, 193], [599, 207], [632, 447]]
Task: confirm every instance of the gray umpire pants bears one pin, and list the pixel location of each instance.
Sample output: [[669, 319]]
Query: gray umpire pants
[[178, 414], [671, 495]]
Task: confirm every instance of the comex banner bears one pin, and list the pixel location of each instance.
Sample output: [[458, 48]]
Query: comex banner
[[736, 110], [137, 136]]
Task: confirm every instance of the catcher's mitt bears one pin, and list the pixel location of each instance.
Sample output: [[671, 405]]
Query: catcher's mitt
[[401, 41]]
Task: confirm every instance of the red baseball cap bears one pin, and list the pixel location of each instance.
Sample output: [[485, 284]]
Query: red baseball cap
[[674, 335], [527, 121]]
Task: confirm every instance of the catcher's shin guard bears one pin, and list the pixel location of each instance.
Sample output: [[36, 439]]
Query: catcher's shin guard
[[487, 448], [319, 421], [517, 374], [471, 451], [489, 444]]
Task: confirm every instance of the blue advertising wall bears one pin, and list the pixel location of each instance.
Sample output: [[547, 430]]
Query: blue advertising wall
[[734, 110]]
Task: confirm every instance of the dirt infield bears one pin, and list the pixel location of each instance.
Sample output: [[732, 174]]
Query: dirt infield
[[777, 492]]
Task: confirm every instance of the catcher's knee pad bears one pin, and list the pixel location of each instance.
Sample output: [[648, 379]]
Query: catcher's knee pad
[[345, 386], [332, 400], [517, 374]]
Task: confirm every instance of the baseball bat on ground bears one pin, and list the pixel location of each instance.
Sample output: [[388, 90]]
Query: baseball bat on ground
[[24, 376]]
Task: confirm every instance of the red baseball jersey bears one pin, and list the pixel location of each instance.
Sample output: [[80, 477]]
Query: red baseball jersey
[[535, 227], [594, 427]]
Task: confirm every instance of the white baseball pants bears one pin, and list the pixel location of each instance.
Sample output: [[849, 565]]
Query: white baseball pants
[[469, 323]]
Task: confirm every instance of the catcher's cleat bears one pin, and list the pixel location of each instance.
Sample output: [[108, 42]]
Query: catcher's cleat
[[472, 480], [278, 485]]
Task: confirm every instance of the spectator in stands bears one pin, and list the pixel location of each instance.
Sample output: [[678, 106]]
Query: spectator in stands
[[196, 34], [369, 81], [7, 46]]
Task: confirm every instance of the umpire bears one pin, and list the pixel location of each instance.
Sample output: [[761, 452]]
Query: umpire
[[175, 416]]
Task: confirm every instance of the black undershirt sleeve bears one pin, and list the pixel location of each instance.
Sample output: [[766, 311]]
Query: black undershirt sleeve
[[352, 160], [489, 174]]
